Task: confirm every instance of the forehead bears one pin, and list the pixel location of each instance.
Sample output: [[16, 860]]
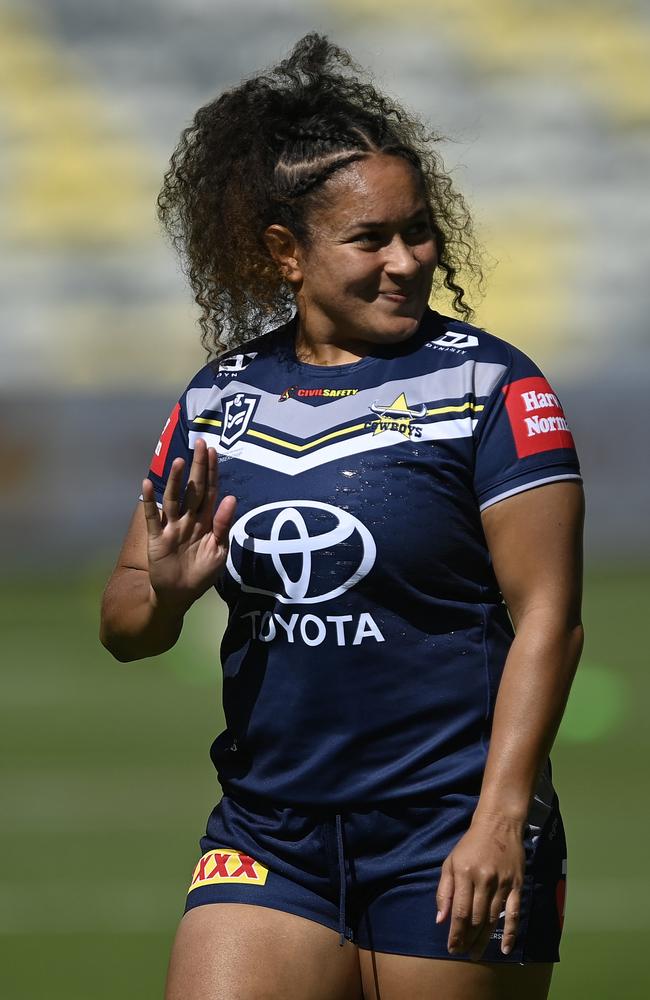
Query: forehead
[[379, 188]]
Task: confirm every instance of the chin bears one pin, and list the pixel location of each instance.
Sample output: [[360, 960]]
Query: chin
[[400, 328]]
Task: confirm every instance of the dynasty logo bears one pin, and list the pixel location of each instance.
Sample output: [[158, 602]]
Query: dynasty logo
[[297, 392], [236, 363], [398, 416]]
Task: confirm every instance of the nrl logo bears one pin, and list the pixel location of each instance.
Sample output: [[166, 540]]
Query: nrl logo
[[237, 414], [398, 416]]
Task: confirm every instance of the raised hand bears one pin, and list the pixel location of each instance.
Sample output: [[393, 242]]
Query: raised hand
[[480, 879], [188, 545]]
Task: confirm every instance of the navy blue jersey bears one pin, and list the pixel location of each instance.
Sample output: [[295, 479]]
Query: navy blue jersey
[[366, 632]]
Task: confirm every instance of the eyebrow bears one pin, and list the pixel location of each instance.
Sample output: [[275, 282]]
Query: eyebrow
[[372, 224]]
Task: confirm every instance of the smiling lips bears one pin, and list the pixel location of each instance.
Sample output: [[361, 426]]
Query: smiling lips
[[397, 296]]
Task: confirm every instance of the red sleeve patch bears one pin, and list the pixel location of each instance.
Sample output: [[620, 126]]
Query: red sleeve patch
[[160, 453], [536, 417]]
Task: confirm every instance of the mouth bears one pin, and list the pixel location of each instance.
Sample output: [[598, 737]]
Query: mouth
[[397, 296]]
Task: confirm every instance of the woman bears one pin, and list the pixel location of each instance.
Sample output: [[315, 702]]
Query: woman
[[406, 486]]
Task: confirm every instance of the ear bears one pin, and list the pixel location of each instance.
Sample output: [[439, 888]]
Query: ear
[[283, 247]]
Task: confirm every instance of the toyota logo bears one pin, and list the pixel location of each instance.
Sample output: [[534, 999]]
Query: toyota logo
[[299, 551]]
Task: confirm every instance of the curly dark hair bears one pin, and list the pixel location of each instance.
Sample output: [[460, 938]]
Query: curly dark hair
[[260, 153]]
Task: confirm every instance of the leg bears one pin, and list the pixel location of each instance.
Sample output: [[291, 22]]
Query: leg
[[238, 951], [393, 977]]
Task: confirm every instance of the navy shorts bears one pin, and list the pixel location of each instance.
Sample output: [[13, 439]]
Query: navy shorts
[[372, 874]]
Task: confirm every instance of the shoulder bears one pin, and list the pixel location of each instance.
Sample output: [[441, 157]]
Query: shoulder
[[494, 356], [253, 351], [456, 337], [236, 365]]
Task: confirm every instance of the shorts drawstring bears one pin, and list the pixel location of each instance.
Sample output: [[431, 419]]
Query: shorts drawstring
[[342, 879]]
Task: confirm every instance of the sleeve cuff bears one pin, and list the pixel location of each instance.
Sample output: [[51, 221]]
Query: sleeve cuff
[[520, 485]]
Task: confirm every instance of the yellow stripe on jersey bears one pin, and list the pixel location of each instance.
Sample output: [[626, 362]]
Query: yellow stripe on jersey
[[207, 420], [310, 444], [341, 432], [474, 407]]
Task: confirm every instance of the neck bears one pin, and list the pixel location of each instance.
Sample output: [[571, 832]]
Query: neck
[[315, 353], [326, 347]]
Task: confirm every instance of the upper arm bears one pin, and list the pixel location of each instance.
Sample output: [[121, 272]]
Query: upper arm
[[535, 543], [528, 486]]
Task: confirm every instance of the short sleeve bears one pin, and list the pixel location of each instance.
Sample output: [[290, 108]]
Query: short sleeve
[[523, 439], [173, 443]]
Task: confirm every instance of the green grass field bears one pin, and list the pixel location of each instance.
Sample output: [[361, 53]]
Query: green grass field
[[107, 783]]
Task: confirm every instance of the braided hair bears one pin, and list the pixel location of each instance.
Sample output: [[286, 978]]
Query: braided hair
[[260, 154]]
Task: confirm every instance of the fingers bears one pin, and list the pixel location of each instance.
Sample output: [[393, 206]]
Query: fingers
[[482, 941], [201, 489], [445, 893], [498, 909], [461, 916], [206, 510], [200, 493], [513, 904], [475, 908], [487, 929], [198, 477], [151, 512], [481, 911], [207, 479], [172, 496], [222, 519]]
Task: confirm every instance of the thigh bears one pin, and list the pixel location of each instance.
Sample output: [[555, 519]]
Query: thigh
[[393, 977], [238, 951]]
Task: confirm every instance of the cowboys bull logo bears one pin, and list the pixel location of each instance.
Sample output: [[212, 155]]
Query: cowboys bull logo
[[299, 551], [237, 414], [398, 416]]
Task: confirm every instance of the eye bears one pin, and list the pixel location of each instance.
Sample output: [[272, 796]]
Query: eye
[[371, 242], [420, 227]]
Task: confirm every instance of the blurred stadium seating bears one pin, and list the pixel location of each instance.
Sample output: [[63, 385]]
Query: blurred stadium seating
[[549, 111]]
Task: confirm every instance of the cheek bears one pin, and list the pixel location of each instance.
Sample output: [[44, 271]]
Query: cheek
[[348, 273], [360, 270], [429, 256]]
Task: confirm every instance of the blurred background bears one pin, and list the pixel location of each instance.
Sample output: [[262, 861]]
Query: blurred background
[[106, 780]]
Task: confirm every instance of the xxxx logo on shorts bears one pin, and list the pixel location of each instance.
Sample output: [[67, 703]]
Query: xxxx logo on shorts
[[225, 865]]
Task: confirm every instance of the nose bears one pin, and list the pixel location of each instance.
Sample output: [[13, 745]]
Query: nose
[[400, 259]]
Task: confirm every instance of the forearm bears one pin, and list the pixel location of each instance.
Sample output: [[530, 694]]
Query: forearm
[[135, 623], [532, 696]]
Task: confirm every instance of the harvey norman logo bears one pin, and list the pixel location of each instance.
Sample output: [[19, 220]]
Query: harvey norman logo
[[541, 424], [536, 417]]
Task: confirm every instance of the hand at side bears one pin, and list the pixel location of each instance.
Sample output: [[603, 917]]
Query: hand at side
[[482, 877]]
